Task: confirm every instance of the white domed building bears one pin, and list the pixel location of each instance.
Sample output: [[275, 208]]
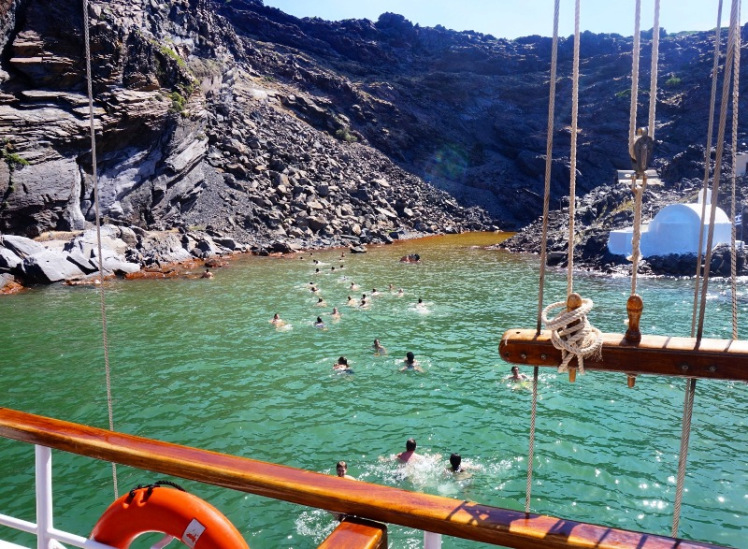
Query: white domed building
[[674, 230]]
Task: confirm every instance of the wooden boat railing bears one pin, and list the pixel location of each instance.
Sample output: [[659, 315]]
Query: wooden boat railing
[[384, 504]]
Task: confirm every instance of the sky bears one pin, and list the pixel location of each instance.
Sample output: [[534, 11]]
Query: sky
[[514, 18]]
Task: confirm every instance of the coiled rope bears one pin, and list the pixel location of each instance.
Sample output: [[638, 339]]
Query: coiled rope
[[572, 333], [95, 182]]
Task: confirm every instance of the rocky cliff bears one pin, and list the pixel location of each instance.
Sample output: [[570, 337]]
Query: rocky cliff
[[234, 119]]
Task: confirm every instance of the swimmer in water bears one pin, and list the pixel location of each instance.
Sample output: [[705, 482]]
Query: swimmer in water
[[335, 313], [342, 365], [341, 469], [351, 302], [314, 289], [207, 274], [321, 303], [374, 292], [456, 468], [400, 293], [378, 348], [319, 323], [410, 452], [276, 320], [411, 363], [420, 304], [354, 286], [516, 375]]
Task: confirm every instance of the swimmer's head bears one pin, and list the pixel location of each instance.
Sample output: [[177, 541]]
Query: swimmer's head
[[343, 360], [455, 460], [410, 445], [410, 356], [341, 468]]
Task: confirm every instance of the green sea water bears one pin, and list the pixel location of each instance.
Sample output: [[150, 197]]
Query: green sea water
[[196, 362]]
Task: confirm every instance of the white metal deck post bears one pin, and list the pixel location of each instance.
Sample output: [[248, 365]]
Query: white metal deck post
[[43, 465], [432, 541]]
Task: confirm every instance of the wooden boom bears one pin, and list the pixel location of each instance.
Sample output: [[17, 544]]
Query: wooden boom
[[657, 355], [452, 517]]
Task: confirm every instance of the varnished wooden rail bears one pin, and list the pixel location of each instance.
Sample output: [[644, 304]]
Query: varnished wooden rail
[[462, 519], [354, 533], [659, 355]]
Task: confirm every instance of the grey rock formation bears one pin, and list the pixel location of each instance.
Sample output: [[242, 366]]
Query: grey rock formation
[[236, 122]]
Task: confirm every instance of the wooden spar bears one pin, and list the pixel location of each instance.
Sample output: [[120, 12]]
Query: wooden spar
[[440, 515], [657, 355], [356, 533]]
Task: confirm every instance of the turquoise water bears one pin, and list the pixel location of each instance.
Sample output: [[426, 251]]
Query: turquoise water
[[197, 362]]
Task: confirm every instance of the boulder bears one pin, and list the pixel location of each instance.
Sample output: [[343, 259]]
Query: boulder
[[6, 280], [8, 260], [49, 266], [21, 246]]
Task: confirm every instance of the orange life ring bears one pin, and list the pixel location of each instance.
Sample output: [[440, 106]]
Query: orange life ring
[[183, 516]]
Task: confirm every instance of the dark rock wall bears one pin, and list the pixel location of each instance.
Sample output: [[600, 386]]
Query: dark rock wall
[[237, 117]]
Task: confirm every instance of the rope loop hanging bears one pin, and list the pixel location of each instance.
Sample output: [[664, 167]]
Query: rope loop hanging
[[572, 333]]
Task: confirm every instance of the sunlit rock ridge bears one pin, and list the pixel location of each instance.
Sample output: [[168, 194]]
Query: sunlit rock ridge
[[237, 120]]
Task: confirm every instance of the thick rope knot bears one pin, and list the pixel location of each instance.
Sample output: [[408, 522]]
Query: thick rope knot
[[572, 333]]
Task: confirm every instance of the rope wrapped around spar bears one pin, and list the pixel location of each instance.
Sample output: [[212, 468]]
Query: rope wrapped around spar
[[572, 333]]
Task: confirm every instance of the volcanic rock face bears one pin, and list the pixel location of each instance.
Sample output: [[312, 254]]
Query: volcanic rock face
[[242, 122]]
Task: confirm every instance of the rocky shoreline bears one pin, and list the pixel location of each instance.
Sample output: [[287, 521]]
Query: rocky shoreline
[[132, 253], [610, 207]]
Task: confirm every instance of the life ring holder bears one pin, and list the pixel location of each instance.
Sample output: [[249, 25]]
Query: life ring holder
[[171, 511]]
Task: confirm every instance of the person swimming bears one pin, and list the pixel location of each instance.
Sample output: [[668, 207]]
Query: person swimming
[[342, 366], [351, 302], [455, 463], [410, 452], [341, 469], [516, 375], [378, 348], [321, 303], [319, 323], [354, 286], [335, 313], [456, 468], [276, 320], [411, 363]]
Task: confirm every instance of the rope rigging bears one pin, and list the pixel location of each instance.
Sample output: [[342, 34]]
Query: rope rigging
[[95, 182], [732, 63], [707, 163], [543, 245], [571, 331]]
